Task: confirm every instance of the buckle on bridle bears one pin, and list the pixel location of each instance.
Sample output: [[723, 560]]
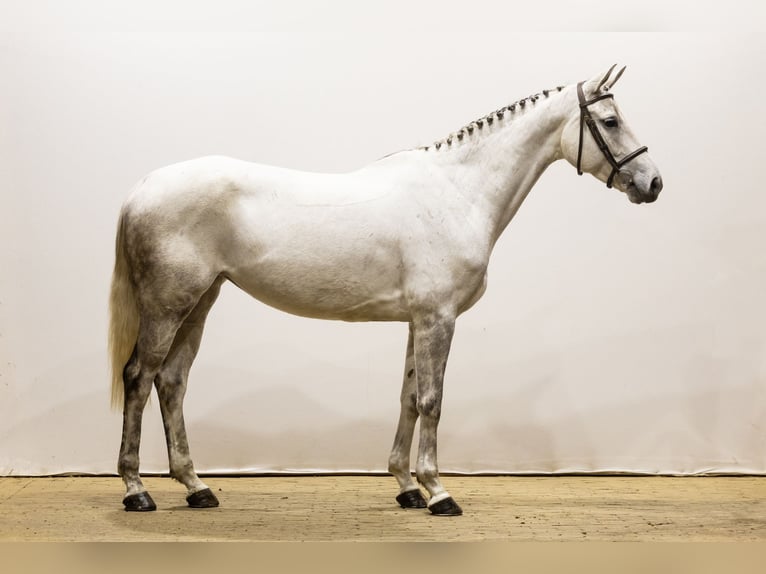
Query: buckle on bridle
[[587, 119]]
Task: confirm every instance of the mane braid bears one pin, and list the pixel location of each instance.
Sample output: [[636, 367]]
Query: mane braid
[[477, 125]]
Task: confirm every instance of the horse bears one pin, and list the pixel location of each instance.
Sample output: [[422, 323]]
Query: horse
[[406, 238]]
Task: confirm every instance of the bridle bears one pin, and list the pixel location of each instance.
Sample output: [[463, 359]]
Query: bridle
[[587, 119]]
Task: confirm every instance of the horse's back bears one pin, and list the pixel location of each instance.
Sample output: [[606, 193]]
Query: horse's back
[[203, 183]]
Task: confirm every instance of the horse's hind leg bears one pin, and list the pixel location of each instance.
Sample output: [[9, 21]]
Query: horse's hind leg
[[399, 461], [166, 293], [171, 388], [155, 337]]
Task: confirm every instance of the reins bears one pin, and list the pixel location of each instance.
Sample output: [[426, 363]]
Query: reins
[[587, 119]]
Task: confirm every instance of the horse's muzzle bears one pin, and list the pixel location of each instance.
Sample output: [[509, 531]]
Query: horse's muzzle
[[649, 195], [655, 187]]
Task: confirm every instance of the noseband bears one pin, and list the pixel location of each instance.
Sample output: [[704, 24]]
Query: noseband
[[587, 119]]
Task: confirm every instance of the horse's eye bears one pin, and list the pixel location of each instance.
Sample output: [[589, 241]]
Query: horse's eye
[[611, 122]]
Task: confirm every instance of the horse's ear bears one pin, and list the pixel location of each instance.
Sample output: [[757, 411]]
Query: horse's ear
[[616, 77], [604, 81]]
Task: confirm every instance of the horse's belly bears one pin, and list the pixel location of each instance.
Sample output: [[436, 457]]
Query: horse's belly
[[348, 290]]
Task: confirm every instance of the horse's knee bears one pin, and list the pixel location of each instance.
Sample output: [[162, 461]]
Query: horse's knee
[[430, 406]]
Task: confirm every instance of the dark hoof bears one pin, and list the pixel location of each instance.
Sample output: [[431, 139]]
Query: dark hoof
[[139, 502], [446, 507], [411, 499], [202, 499]]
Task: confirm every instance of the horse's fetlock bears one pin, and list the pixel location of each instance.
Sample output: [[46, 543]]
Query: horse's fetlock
[[396, 464], [427, 476], [127, 465], [181, 471]]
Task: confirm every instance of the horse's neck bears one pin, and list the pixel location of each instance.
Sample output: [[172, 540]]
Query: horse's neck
[[502, 165]]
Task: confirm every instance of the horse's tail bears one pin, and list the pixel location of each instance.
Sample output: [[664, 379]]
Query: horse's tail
[[123, 318]]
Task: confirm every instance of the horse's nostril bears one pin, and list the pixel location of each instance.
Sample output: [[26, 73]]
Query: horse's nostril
[[656, 185]]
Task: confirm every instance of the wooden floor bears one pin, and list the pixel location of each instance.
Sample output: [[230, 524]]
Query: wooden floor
[[362, 508]]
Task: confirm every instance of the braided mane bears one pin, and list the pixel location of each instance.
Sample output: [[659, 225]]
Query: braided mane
[[489, 119]]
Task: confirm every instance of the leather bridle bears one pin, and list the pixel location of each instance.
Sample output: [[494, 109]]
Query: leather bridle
[[587, 119]]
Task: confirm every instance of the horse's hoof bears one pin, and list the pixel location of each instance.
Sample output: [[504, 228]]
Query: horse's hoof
[[202, 499], [446, 507], [139, 502], [411, 499]]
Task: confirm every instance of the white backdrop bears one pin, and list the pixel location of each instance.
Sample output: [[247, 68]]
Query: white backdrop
[[611, 337]]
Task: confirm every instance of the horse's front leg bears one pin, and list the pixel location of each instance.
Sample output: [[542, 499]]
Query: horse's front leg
[[399, 461], [432, 338]]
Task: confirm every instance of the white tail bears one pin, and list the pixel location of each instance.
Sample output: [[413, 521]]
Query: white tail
[[123, 319]]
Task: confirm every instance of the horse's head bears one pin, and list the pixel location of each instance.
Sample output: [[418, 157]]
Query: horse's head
[[597, 139]]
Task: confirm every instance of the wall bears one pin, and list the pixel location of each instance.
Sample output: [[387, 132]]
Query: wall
[[612, 336]]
